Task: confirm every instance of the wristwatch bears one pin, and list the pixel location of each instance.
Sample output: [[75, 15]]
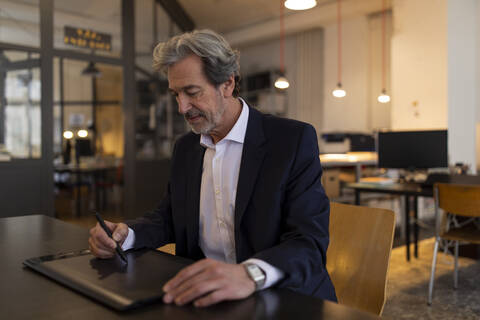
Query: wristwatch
[[256, 274]]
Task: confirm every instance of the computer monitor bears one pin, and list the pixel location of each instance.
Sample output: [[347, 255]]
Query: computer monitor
[[83, 148], [361, 142], [412, 149]]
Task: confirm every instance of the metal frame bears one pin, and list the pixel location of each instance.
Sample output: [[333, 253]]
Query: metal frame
[[47, 53], [176, 13], [129, 103]]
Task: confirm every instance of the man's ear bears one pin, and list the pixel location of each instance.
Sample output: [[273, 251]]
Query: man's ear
[[228, 86]]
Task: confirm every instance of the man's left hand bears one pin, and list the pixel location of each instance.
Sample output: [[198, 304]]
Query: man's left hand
[[207, 282]]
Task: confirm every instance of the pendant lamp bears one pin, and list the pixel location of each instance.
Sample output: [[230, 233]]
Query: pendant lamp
[[383, 97], [300, 4], [281, 82], [339, 92]]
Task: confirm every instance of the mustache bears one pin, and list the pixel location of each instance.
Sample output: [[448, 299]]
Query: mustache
[[194, 113]]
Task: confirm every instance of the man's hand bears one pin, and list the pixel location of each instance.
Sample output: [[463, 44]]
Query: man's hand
[[207, 282], [101, 245]]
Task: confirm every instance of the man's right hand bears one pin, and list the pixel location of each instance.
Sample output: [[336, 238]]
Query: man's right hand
[[101, 245]]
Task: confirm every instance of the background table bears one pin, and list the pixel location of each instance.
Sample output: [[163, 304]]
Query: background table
[[25, 294], [411, 191]]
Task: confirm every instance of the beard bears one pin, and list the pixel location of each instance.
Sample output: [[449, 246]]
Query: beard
[[210, 119]]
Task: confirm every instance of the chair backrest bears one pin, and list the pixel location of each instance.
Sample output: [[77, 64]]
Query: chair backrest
[[358, 255], [458, 199]]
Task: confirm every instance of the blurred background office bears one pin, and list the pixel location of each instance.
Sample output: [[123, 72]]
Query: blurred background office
[[389, 85]]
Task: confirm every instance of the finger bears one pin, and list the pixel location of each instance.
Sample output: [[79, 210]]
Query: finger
[[102, 239], [212, 298], [174, 292], [98, 252], [186, 273], [198, 290], [120, 233]]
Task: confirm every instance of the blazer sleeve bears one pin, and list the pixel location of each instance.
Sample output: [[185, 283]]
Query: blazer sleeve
[[301, 251], [155, 228]]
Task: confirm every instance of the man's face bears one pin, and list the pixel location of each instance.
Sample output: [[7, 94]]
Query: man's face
[[200, 102]]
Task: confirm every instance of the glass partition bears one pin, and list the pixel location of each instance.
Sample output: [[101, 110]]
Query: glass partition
[[157, 122], [20, 112]]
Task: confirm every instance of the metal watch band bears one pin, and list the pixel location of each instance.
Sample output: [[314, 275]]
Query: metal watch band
[[256, 274]]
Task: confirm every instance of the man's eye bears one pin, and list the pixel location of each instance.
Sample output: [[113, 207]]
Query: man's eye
[[192, 93], [174, 94]]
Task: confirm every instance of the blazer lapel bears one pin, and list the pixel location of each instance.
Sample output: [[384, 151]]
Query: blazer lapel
[[193, 181], [252, 159]]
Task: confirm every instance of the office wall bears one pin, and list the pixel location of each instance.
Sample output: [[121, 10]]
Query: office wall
[[350, 112], [419, 64], [463, 83], [303, 66]]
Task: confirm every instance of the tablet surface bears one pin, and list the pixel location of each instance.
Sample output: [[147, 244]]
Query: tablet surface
[[111, 281]]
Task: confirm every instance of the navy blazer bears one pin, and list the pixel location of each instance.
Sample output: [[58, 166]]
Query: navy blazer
[[281, 210]]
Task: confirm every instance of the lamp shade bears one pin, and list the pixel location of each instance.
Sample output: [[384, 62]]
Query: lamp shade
[[91, 70], [300, 4], [281, 83], [339, 92], [383, 97]]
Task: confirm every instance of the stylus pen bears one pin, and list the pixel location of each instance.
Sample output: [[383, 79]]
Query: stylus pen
[[109, 233]]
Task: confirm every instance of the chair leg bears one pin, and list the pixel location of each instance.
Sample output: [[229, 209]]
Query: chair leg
[[455, 266], [432, 274]]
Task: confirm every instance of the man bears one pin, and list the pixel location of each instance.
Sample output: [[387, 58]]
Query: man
[[247, 190]]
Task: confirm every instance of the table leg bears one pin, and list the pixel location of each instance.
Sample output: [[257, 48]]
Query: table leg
[[78, 196], [357, 197], [415, 230], [96, 190], [407, 225]]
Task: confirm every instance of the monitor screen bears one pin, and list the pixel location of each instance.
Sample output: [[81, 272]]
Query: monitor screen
[[412, 149], [83, 148]]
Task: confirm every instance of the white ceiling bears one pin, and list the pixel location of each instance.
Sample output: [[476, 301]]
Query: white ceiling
[[248, 21], [229, 15], [241, 21]]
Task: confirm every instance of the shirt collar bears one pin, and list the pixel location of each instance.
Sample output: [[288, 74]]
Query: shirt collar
[[237, 133]]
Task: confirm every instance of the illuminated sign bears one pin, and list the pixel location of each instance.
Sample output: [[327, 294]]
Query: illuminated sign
[[83, 38]]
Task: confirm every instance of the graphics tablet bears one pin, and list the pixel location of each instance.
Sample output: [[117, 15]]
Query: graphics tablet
[[111, 281]]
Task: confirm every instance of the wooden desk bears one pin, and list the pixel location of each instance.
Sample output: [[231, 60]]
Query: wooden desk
[[411, 192], [350, 159], [25, 294]]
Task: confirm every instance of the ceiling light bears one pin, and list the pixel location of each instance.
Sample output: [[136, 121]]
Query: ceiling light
[[281, 83], [300, 4], [82, 133], [384, 97], [91, 70], [68, 134], [338, 92]]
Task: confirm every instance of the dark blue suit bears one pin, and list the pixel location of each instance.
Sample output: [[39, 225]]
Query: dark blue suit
[[281, 210]]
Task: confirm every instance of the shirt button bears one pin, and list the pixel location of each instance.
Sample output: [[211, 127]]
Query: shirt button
[[217, 191]]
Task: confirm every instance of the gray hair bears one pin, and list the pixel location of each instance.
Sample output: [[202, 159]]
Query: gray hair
[[220, 61]]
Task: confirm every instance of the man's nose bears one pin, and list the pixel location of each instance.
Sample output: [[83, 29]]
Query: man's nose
[[183, 104]]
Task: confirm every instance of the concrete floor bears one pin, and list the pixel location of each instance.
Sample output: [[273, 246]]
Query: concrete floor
[[408, 286]]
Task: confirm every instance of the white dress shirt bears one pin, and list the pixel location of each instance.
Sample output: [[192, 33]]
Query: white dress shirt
[[221, 167]]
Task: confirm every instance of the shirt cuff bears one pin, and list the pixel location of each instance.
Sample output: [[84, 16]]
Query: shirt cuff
[[129, 240], [272, 274]]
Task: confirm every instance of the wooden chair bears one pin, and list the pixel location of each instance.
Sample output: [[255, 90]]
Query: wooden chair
[[455, 200], [357, 259]]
